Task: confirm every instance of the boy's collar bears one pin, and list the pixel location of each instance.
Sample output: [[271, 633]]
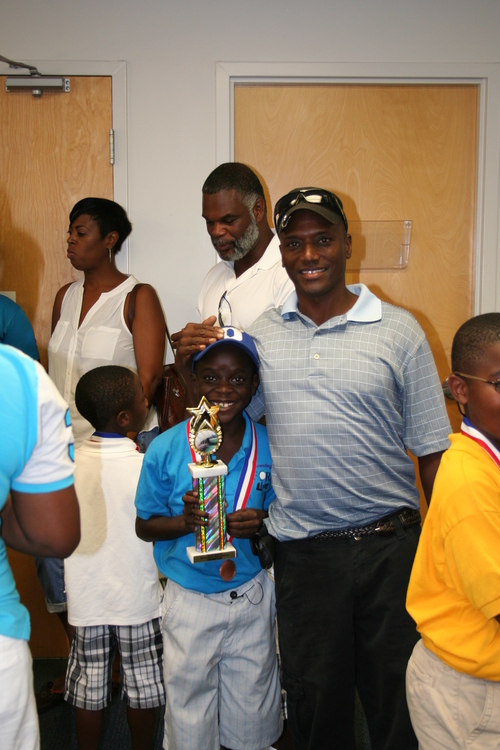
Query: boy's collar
[[99, 433], [468, 429]]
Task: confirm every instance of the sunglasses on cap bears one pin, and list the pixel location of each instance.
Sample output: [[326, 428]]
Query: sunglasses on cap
[[318, 200]]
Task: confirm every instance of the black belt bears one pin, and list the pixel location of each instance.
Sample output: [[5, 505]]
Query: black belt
[[383, 527]]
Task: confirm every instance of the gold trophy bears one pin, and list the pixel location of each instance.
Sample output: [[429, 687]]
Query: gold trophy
[[205, 437]]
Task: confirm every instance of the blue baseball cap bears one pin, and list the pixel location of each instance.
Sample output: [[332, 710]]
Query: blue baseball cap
[[235, 337]]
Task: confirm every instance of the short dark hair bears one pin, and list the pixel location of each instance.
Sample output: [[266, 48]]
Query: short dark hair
[[102, 393], [235, 176], [108, 215], [472, 339]]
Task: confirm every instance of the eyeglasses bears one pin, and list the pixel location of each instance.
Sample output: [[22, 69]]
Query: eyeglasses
[[494, 383], [315, 196], [225, 311]]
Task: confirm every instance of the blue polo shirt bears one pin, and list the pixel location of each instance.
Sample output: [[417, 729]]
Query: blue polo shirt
[[165, 479], [345, 401], [36, 457]]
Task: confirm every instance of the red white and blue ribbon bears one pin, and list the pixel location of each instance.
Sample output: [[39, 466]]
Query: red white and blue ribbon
[[247, 476], [470, 431]]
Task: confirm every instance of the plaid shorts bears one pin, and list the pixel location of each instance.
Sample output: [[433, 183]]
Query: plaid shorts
[[88, 676]]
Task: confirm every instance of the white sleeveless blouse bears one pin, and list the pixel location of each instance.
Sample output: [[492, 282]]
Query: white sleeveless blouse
[[102, 339]]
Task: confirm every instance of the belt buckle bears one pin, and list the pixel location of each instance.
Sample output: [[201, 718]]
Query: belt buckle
[[385, 528]]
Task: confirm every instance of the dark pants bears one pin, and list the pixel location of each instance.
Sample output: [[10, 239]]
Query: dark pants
[[343, 625]]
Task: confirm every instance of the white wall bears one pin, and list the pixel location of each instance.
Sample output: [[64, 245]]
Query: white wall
[[171, 47]]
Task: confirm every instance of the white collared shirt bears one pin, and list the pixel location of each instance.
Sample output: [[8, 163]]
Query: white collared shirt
[[261, 287], [111, 578]]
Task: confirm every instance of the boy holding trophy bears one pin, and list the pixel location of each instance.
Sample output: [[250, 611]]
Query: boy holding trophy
[[218, 612]]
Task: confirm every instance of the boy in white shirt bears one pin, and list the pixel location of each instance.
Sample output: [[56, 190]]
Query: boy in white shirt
[[111, 579]]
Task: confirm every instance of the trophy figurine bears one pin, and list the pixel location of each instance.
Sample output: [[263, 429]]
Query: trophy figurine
[[205, 437]]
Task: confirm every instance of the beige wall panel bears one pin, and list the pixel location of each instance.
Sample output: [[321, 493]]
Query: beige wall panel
[[391, 153], [54, 150]]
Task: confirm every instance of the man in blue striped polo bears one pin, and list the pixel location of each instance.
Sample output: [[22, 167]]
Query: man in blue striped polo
[[349, 386]]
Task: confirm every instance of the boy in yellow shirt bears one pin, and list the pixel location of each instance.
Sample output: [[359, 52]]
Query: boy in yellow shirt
[[453, 677]]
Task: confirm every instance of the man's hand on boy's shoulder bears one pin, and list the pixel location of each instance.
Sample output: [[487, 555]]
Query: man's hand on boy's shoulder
[[244, 523], [193, 516]]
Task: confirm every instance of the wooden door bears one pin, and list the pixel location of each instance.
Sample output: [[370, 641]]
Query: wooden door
[[54, 150], [392, 153]]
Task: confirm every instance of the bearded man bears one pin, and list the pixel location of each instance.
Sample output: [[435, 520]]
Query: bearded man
[[250, 279]]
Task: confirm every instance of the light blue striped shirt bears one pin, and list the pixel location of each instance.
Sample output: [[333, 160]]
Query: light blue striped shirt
[[344, 401]]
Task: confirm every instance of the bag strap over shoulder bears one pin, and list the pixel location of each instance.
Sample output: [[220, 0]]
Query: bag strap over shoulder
[[132, 297]]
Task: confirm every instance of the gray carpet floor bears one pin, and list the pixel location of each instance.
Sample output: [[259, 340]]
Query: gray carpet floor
[[57, 726]]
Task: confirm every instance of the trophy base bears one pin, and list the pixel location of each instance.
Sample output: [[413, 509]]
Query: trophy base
[[195, 556], [198, 471]]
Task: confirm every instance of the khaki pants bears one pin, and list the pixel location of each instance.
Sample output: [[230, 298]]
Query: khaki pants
[[450, 710]]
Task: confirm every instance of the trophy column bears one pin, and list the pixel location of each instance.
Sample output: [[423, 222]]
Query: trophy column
[[210, 541], [205, 437]]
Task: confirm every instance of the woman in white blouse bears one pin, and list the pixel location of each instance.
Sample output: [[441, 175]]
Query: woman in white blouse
[[90, 319], [92, 326]]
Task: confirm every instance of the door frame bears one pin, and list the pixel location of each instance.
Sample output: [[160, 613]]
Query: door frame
[[117, 70], [486, 291]]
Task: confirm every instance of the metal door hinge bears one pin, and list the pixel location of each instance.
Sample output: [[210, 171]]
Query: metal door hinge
[[111, 146]]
